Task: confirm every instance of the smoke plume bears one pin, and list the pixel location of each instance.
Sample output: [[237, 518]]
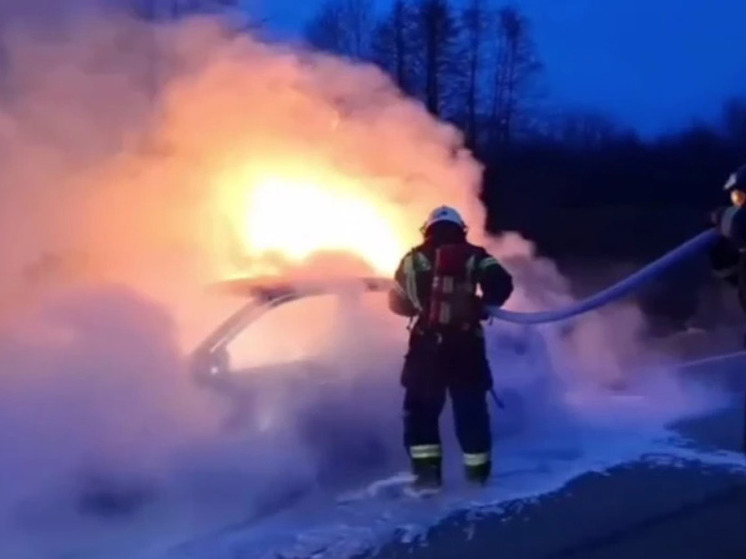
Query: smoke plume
[[142, 163]]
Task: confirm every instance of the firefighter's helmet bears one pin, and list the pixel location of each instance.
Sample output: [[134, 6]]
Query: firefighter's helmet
[[736, 185], [737, 181], [443, 214]]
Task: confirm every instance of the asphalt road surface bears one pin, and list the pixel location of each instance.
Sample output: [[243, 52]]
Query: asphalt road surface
[[638, 510]]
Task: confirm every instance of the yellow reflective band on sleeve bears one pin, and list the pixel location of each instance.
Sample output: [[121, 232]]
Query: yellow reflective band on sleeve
[[410, 276], [487, 262], [421, 264], [425, 451], [476, 459]]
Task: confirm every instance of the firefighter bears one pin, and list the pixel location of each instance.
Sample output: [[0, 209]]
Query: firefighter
[[436, 286], [728, 255]]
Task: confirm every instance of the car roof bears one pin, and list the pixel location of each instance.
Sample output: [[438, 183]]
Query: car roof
[[272, 287]]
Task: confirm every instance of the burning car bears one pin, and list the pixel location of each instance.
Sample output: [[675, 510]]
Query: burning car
[[351, 419]]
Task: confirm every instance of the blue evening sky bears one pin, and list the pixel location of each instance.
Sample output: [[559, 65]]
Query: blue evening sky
[[655, 64]]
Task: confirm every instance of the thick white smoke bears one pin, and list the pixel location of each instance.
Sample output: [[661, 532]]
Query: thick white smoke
[[126, 151]]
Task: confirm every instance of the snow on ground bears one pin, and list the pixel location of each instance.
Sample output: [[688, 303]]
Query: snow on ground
[[163, 478], [336, 522], [527, 469]]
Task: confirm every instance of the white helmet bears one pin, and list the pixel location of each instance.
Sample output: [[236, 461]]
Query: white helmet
[[737, 181], [443, 213]]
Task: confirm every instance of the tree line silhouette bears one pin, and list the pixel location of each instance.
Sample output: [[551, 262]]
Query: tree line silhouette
[[583, 186], [577, 182], [475, 67], [580, 184]]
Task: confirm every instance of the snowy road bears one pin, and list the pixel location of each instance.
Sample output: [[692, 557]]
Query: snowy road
[[529, 472], [228, 517], [532, 468]]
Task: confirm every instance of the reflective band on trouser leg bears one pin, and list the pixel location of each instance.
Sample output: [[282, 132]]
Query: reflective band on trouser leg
[[478, 459], [421, 451]]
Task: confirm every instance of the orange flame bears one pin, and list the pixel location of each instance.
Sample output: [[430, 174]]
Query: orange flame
[[298, 214]]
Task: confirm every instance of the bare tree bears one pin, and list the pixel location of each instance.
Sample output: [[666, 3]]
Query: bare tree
[[343, 27], [358, 15], [475, 27], [439, 39], [326, 30], [516, 68], [393, 45]]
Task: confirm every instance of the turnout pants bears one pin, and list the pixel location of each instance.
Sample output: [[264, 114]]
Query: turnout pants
[[434, 369]]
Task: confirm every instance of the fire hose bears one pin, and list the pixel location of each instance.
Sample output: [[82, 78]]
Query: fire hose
[[617, 291], [268, 295], [613, 293], [209, 356]]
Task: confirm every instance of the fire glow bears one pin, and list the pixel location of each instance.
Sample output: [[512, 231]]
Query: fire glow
[[254, 160], [297, 216]]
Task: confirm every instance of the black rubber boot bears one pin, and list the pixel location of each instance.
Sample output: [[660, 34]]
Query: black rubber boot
[[479, 474], [428, 474]]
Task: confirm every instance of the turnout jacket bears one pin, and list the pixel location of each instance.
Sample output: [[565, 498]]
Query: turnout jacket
[[446, 356], [411, 295]]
